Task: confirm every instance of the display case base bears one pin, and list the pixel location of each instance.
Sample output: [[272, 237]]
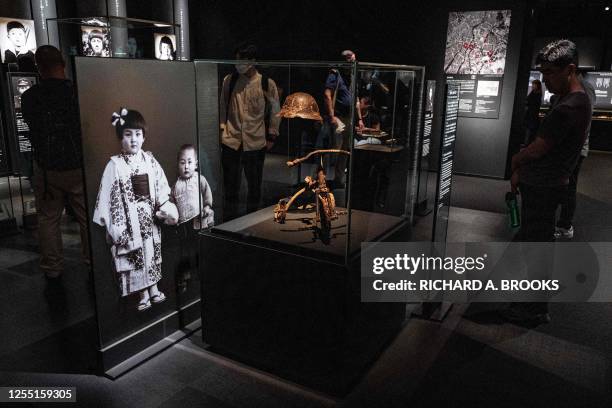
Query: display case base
[[298, 317], [119, 358]]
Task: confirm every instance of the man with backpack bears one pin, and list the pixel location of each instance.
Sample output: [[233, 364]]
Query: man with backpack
[[51, 111], [249, 126]]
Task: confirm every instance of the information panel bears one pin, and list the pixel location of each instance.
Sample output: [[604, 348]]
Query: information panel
[[447, 151], [601, 82], [480, 95], [18, 83], [428, 119]]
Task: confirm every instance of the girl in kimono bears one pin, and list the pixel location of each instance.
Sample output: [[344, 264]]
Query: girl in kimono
[[133, 192]]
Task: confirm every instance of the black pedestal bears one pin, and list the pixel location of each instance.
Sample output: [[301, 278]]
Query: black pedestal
[[292, 314]]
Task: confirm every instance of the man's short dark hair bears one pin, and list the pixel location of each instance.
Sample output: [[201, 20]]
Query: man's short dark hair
[[246, 50], [48, 58], [14, 24], [560, 53]]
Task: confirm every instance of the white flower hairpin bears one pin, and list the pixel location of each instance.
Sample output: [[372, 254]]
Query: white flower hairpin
[[118, 118]]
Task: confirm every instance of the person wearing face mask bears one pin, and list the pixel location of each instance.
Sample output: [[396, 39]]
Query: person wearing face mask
[[50, 109], [248, 126]]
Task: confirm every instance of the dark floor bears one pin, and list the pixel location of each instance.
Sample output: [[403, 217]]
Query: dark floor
[[471, 359]]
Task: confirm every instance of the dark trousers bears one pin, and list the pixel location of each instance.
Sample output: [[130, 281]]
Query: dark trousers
[[538, 208], [371, 180], [233, 163], [568, 205], [51, 197]]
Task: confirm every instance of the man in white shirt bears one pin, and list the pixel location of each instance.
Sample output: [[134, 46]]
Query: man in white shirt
[[249, 126]]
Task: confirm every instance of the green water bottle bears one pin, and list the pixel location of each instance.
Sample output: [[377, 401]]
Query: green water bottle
[[513, 210]]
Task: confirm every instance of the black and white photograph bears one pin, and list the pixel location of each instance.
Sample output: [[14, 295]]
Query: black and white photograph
[[141, 186], [165, 47], [17, 42], [476, 42], [128, 209], [95, 42], [20, 85]]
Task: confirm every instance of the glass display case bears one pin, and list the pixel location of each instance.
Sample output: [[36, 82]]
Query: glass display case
[[306, 160], [369, 165]]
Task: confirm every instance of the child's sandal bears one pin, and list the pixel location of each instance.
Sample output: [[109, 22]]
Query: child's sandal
[[158, 298], [144, 305]]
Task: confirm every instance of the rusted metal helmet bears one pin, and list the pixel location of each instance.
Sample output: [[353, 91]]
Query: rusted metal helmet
[[300, 105]]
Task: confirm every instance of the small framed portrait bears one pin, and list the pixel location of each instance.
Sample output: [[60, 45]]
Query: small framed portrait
[[165, 47], [20, 85], [17, 40], [95, 41]]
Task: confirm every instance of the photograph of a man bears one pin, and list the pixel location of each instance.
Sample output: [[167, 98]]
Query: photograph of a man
[[18, 43], [21, 85]]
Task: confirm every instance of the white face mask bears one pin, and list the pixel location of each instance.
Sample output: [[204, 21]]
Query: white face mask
[[243, 68]]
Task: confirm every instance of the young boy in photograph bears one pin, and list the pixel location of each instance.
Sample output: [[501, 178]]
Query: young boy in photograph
[[193, 198], [19, 52]]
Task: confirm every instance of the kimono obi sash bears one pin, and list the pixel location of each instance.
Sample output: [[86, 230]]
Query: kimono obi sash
[[140, 185]]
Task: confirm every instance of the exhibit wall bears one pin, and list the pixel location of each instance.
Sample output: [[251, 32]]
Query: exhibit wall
[[166, 98], [590, 51], [16, 9]]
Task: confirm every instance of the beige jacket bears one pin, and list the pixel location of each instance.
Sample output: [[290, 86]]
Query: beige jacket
[[243, 123]]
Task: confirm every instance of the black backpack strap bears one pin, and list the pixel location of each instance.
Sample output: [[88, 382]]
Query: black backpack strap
[[232, 85], [265, 83]]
